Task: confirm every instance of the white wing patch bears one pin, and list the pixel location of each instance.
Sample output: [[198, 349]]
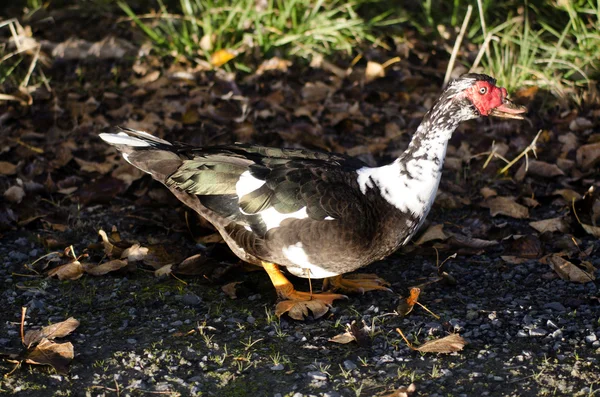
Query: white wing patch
[[123, 139], [247, 184], [296, 254], [273, 218]]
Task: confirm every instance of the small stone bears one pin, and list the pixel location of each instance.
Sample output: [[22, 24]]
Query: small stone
[[556, 306], [521, 334], [251, 319], [349, 365], [191, 300], [317, 375], [591, 338], [538, 332], [472, 315], [131, 341], [278, 367], [177, 323]]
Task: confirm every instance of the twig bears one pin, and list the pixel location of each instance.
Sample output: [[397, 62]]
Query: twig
[[530, 148], [483, 50], [398, 330], [483, 27], [23, 312], [457, 44], [36, 56]]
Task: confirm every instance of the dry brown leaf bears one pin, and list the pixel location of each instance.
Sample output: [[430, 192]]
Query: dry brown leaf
[[7, 168], [47, 352], [531, 202], [567, 194], [70, 271], [404, 391], [448, 344], [230, 289], [221, 57], [593, 230], [14, 194], [354, 333], [104, 268], [507, 206], [550, 225], [588, 156], [486, 192], [406, 305], [374, 71], [135, 253], [514, 260], [57, 330], [538, 168], [315, 92], [458, 240], [528, 246], [90, 166], [568, 271], [298, 310], [434, 232]]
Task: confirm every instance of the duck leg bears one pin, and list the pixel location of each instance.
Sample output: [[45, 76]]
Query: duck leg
[[357, 282], [298, 303]]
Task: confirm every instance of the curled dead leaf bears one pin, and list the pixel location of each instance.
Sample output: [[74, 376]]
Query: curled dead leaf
[[230, 289], [221, 57], [57, 330], [69, 271], [298, 310], [406, 305], [434, 232], [104, 268], [404, 391], [448, 344], [550, 225], [354, 333], [58, 355], [7, 168], [569, 271], [588, 156], [506, 206]]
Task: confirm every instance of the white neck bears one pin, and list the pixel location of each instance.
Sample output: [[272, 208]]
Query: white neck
[[410, 183]]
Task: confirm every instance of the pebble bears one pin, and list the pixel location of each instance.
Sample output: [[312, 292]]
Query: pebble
[[556, 306], [472, 315], [317, 375], [349, 365], [538, 332], [191, 300], [591, 338], [278, 367]]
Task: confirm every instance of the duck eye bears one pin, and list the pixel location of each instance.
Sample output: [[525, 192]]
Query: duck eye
[[482, 90]]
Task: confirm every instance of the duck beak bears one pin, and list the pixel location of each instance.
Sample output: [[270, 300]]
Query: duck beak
[[509, 110]]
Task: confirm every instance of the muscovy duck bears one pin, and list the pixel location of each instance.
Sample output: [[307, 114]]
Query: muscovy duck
[[319, 215]]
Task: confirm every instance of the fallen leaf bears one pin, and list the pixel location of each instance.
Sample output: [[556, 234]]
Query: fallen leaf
[[47, 352], [90, 166], [70, 271], [57, 330], [507, 206], [104, 268], [448, 344], [298, 310], [538, 168], [459, 240], [588, 156], [221, 57], [528, 246], [354, 333], [568, 271], [135, 253], [14, 194], [550, 225], [373, 71], [514, 260], [593, 230], [567, 194], [405, 306], [7, 168], [434, 232], [404, 391], [230, 289], [486, 192]]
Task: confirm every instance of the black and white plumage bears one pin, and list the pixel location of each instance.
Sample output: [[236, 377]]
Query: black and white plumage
[[319, 215]]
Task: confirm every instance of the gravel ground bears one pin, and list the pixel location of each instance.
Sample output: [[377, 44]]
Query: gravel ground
[[528, 334]]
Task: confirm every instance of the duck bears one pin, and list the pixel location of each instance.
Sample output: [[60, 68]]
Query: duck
[[316, 215]]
